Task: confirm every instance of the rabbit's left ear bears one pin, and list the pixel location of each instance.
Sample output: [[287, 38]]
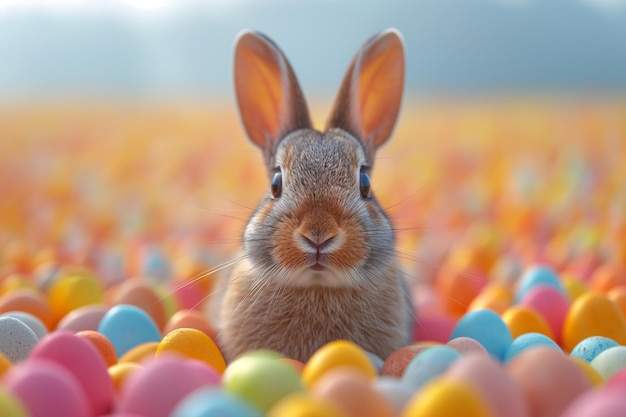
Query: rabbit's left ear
[[270, 101], [369, 98]]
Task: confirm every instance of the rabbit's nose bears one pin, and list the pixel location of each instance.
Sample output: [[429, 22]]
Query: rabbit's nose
[[318, 244]]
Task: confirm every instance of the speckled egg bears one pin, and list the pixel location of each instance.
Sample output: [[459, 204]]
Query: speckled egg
[[17, 340]]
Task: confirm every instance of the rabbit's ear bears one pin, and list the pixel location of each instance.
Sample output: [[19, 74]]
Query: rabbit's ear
[[270, 101], [369, 99]]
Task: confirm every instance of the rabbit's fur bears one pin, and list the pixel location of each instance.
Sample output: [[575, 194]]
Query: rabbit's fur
[[319, 260]]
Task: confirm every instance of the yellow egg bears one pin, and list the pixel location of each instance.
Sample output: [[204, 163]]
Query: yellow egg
[[447, 398], [573, 287], [496, 296], [140, 352], [335, 354], [592, 374], [304, 405], [73, 291], [120, 371], [11, 406], [521, 320], [194, 344], [593, 314]]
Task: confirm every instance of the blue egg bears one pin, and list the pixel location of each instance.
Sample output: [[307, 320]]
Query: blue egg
[[376, 361], [527, 341], [591, 347], [537, 275], [17, 340], [487, 328], [127, 326], [428, 364], [211, 401]]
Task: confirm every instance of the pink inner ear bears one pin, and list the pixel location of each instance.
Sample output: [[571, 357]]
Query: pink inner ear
[[260, 90], [379, 86]]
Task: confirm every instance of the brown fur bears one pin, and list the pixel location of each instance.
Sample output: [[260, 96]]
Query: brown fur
[[319, 261]]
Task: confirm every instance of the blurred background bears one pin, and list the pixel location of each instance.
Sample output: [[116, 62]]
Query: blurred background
[[121, 149], [182, 49]]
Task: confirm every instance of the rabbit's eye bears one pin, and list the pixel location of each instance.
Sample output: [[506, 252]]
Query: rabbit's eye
[[277, 185], [365, 185]]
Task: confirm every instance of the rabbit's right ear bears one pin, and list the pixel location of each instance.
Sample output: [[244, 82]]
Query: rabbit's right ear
[[270, 101]]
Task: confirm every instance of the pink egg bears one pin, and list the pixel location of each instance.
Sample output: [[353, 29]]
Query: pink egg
[[156, 389], [549, 380], [47, 389], [83, 318], [550, 303], [467, 346], [482, 372], [598, 403], [84, 362], [433, 329]]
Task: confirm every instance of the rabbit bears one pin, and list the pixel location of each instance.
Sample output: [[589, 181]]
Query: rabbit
[[319, 261]]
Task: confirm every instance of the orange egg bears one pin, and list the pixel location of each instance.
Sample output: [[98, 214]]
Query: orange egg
[[608, 276], [28, 301], [140, 294], [102, 344], [192, 319]]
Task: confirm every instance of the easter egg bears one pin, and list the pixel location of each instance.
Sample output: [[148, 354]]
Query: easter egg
[[523, 319], [396, 394], [102, 344], [434, 329], [83, 318], [604, 403], [192, 343], [593, 314], [192, 319], [487, 328], [537, 275], [121, 371], [467, 346], [47, 389], [5, 364], [444, 397], [11, 406], [128, 326], [302, 404], [591, 373], [610, 361], [396, 363], [590, 347], [31, 321], [333, 354], [28, 301], [70, 292], [428, 365], [527, 341], [550, 302], [84, 362], [210, 401], [352, 392], [490, 379], [17, 340], [160, 384], [261, 381], [140, 352], [140, 294], [537, 371]]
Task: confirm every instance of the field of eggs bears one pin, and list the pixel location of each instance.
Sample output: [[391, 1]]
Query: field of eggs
[[510, 218]]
